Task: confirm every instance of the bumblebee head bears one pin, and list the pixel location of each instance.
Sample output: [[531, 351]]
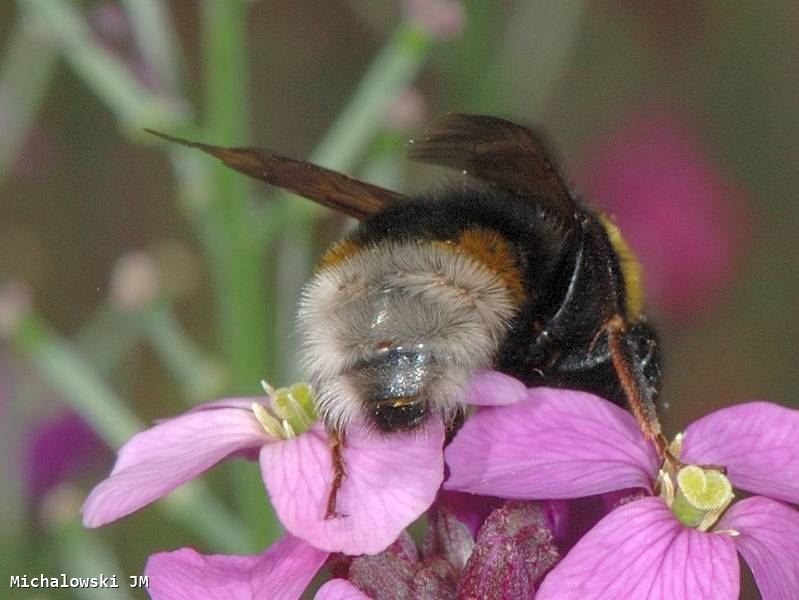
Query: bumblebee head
[[393, 331], [393, 385]]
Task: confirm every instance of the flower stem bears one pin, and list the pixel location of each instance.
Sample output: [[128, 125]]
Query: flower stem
[[61, 365], [26, 73], [393, 69], [157, 40], [201, 377], [236, 253], [79, 552], [109, 335], [134, 105]]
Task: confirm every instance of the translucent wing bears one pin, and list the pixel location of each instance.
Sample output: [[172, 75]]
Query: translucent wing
[[499, 152], [328, 188]]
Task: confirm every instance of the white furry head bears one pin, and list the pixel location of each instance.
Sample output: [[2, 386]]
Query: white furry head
[[395, 330]]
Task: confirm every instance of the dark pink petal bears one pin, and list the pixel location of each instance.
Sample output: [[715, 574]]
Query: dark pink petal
[[490, 388], [679, 214], [281, 573], [340, 589], [769, 542], [570, 520], [58, 448], [641, 551], [390, 481], [513, 552], [156, 461], [469, 509], [756, 441], [555, 444]]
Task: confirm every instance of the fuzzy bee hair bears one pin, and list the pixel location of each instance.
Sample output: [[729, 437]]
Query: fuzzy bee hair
[[424, 297]]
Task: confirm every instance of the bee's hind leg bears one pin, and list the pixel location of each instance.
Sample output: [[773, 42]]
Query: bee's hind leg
[[336, 441], [637, 389]]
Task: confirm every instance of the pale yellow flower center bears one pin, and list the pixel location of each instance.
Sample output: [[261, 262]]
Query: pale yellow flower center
[[697, 495], [293, 408]]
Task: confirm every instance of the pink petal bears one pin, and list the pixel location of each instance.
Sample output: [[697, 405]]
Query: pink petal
[[390, 481], [641, 551], [769, 542], [340, 589], [491, 388], [555, 444], [756, 441], [281, 573], [156, 461]]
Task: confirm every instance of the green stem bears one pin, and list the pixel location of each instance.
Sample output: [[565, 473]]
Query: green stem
[[27, 70], [59, 364], [201, 377], [236, 253], [392, 70], [134, 105], [81, 554], [157, 40], [107, 338]]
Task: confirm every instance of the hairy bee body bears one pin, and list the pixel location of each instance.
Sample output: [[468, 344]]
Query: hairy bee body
[[509, 271], [402, 313]]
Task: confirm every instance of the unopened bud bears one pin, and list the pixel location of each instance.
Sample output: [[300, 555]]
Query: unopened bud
[[179, 267], [15, 303], [61, 505], [135, 281], [407, 111], [440, 19]]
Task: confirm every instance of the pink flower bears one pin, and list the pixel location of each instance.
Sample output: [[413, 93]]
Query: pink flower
[[676, 210], [507, 558], [56, 449], [280, 573], [379, 497], [568, 444]]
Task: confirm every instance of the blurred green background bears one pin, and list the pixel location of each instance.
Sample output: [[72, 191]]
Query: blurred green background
[[138, 279]]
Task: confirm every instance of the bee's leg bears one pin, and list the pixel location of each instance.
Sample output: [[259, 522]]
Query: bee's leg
[[336, 441], [639, 393]]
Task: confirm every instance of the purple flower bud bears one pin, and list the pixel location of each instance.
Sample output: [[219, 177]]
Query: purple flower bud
[[514, 551]]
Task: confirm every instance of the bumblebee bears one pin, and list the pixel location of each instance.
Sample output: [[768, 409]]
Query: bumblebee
[[511, 271]]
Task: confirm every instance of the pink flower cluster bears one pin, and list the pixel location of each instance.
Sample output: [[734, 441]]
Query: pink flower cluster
[[549, 494]]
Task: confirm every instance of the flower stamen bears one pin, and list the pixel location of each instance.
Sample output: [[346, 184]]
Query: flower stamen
[[293, 409]]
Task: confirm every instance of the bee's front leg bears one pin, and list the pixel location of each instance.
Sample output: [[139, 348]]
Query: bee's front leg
[[336, 441]]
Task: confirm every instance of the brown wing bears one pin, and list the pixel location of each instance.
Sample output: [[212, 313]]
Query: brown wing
[[328, 188], [497, 151]]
